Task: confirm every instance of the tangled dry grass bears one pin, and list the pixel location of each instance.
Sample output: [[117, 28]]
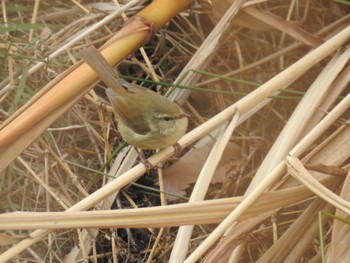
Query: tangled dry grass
[[216, 57]]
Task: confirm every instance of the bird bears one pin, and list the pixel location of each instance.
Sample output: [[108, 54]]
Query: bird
[[146, 119]]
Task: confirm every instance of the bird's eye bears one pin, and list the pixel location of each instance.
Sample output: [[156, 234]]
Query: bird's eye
[[166, 118]]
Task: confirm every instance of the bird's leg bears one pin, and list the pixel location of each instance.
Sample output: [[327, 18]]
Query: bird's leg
[[144, 160]]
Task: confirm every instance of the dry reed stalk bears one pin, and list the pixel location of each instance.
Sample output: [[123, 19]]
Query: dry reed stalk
[[298, 237], [274, 175], [201, 212], [284, 26], [334, 26], [332, 151], [320, 154], [182, 240], [203, 55], [301, 118], [297, 169]]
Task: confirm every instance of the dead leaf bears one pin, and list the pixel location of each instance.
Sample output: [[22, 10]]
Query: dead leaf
[[191, 164]]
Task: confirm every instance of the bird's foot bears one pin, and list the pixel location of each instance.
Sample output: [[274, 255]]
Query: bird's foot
[[144, 160], [178, 149]]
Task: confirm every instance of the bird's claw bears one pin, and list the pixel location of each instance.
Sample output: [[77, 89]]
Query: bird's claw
[[177, 149], [144, 160]]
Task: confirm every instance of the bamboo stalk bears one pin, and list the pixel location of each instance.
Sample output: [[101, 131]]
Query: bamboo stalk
[[75, 83]]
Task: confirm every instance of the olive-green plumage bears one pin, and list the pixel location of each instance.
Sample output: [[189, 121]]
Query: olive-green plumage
[[145, 119]]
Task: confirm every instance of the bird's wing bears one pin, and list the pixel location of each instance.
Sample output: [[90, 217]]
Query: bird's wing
[[129, 111]]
